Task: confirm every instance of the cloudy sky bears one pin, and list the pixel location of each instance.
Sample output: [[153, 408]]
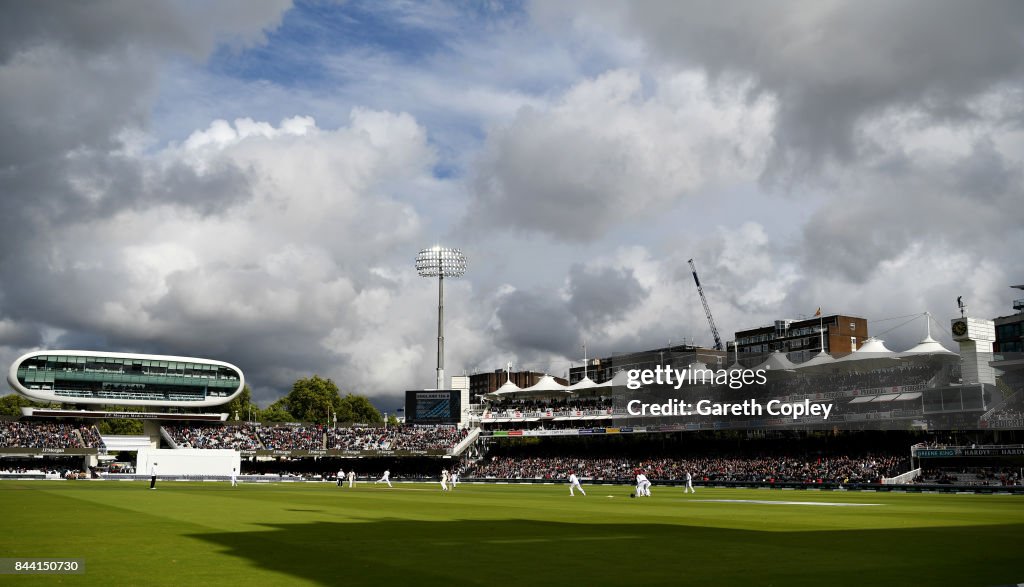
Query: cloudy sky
[[251, 180]]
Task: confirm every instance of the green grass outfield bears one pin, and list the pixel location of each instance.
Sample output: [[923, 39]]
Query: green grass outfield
[[311, 533]]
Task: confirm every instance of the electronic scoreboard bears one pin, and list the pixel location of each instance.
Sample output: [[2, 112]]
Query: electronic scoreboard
[[436, 406]]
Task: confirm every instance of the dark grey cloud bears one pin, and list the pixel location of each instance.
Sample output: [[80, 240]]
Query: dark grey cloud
[[536, 324], [832, 64], [968, 206], [604, 294], [16, 334], [102, 26]]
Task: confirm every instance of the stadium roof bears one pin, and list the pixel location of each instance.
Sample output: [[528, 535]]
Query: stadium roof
[[928, 346], [585, 383], [547, 383], [506, 388], [776, 360], [873, 348], [821, 358]]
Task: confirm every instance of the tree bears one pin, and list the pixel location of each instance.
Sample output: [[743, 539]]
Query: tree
[[276, 412], [242, 406], [121, 426], [11, 404], [393, 420], [356, 408], [314, 400]]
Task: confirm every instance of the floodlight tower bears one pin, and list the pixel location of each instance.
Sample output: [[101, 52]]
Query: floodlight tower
[[440, 262]]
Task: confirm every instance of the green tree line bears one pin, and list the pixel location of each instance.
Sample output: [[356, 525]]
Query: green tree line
[[313, 399]]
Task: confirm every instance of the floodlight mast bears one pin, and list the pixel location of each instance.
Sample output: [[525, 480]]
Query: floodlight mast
[[440, 262]]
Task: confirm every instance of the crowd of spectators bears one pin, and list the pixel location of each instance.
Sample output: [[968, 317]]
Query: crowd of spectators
[[238, 437], [1007, 414], [401, 437], [983, 476], [255, 437], [91, 437], [292, 437], [48, 435], [896, 376], [839, 469], [29, 471]]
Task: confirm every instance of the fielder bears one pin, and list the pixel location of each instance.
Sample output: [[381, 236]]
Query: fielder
[[444, 479], [643, 486], [455, 479], [351, 478], [574, 483], [386, 478], [689, 484]]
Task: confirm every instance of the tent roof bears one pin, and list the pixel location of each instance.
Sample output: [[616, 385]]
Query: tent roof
[[873, 348], [776, 360], [546, 383], [506, 388], [585, 383], [928, 346], [873, 345], [821, 358]]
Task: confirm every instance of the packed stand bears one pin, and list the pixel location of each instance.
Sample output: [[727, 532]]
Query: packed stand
[[1007, 414], [401, 437], [47, 435], [909, 376], [840, 469], [91, 437], [292, 437], [976, 476], [237, 437]]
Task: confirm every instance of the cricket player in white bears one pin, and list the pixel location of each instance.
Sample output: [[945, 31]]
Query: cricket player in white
[[574, 483], [643, 486], [444, 479], [234, 477], [385, 479], [689, 484], [455, 479], [351, 478]]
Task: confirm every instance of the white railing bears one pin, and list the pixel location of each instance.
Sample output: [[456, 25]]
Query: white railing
[[466, 442], [903, 479]]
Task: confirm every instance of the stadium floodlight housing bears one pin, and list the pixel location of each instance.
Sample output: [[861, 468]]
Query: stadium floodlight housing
[[440, 262]]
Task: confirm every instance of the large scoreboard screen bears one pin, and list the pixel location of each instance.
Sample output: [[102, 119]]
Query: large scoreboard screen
[[441, 406]]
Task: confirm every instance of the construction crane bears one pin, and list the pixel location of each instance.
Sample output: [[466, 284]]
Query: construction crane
[[707, 310]]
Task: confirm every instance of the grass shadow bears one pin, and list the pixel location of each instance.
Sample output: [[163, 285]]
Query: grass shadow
[[531, 552]]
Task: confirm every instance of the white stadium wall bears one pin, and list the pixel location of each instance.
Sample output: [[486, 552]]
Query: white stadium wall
[[189, 461]]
